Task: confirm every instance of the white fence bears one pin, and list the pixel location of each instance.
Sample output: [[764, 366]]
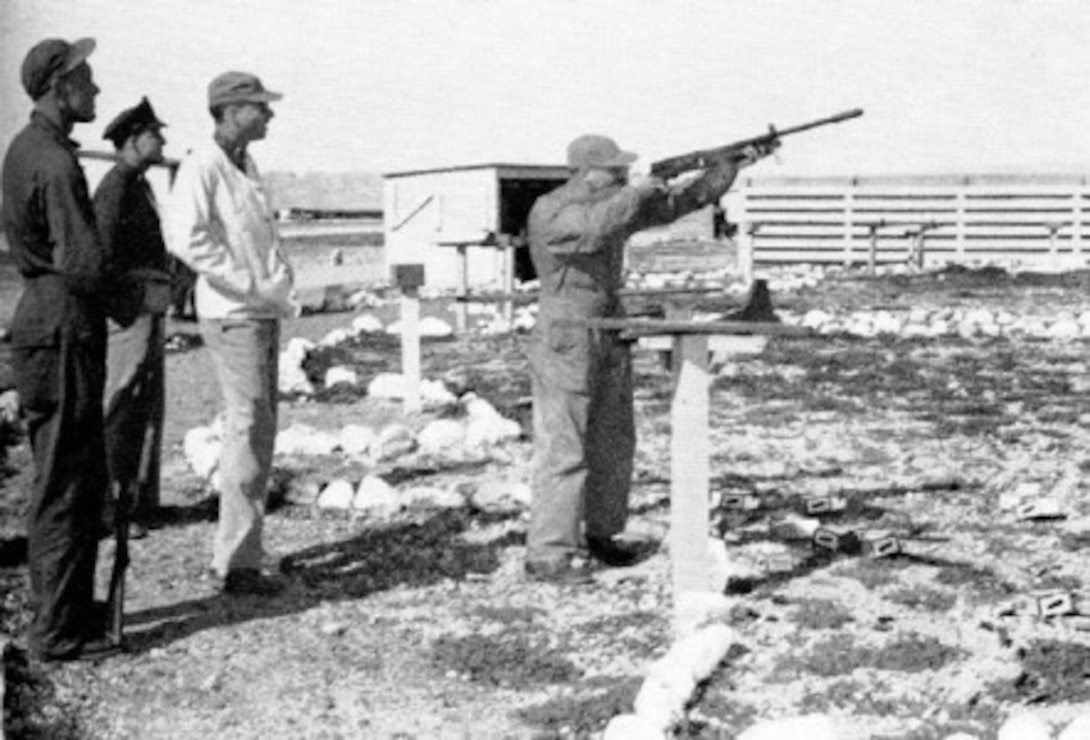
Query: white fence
[[954, 219]]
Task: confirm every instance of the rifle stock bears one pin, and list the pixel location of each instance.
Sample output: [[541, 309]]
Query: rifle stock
[[115, 601], [700, 159]]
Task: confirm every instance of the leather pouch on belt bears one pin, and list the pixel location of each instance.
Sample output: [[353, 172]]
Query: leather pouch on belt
[[34, 360]]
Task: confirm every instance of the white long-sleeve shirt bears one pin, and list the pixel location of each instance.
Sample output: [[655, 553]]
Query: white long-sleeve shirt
[[219, 221]]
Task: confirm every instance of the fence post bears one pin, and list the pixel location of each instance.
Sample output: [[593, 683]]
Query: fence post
[[1076, 221], [849, 226], [959, 234], [748, 260], [873, 260], [1053, 248]]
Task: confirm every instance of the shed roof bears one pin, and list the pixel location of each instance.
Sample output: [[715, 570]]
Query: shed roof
[[503, 169]]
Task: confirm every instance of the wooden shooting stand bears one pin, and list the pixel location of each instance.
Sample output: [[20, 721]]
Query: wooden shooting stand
[[506, 245], [690, 452]]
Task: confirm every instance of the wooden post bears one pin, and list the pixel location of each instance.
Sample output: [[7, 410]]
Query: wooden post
[[872, 261], [410, 347], [461, 296], [689, 468], [507, 248], [675, 310], [409, 278], [1053, 247], [849, 227], [747, 261], [1077, 232]]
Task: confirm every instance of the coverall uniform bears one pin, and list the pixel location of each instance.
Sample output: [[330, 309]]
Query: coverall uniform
[[128, 223], [58, 338], [584, 430]]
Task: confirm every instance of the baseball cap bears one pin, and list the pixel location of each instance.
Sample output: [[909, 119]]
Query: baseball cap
[[132, 121], [594, 150], [50, 59], [239, 87]]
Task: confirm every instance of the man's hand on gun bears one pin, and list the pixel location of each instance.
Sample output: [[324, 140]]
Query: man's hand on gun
[[753, 153]]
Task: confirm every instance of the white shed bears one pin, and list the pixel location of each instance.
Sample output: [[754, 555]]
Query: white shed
[[438, 216]]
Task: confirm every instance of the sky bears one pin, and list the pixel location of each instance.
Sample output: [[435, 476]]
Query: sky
[[947, 86]]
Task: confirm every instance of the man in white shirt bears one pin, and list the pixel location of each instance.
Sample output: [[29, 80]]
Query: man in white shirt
[[221, 224]]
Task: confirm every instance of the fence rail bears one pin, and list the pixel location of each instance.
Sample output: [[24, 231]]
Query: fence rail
[[930, 219]]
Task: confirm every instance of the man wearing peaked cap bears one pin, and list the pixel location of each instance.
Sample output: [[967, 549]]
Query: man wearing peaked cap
[[584, 428], [133, 121], [58, 338], [128, 223], [221, 224]]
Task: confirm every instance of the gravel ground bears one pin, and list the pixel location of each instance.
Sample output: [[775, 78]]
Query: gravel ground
[[423, 626]]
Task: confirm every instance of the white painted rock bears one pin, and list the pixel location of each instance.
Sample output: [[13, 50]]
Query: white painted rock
[[662, 699], [340, 374], [1027, 726], [299, 439], [335, 337], [337, 495], [376, 497], [367, 323], [673, 678], [701, 651], [499, 495], [429, 326], [631, 727], [9, 407], [441, 435], [1078, 729], [292, 379], [1065, 329], [298, 348], [202, 450], [387, 385], [694, 609], [525, 319], [478, 408], [887, 323], [432, 497], [487, 432], [393, 442], [816, 318], [356, 439], [434, 393], [810, 727]]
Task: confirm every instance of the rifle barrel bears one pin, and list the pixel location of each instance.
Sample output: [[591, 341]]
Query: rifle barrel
[[170, 164], [844, 116]]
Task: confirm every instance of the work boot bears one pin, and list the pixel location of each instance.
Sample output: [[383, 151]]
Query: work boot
[[559, 571], [618, 553], [250, 582], [98, 648]]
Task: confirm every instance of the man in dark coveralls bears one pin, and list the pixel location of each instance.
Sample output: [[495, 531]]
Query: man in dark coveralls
[[128, 224], [584, 431], [58, 338]]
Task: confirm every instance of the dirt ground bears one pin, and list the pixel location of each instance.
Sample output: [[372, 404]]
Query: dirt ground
[[423, 626]]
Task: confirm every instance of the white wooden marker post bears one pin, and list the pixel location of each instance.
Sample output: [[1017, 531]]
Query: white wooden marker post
[[409, 278], [689, 467], [690, 447]]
